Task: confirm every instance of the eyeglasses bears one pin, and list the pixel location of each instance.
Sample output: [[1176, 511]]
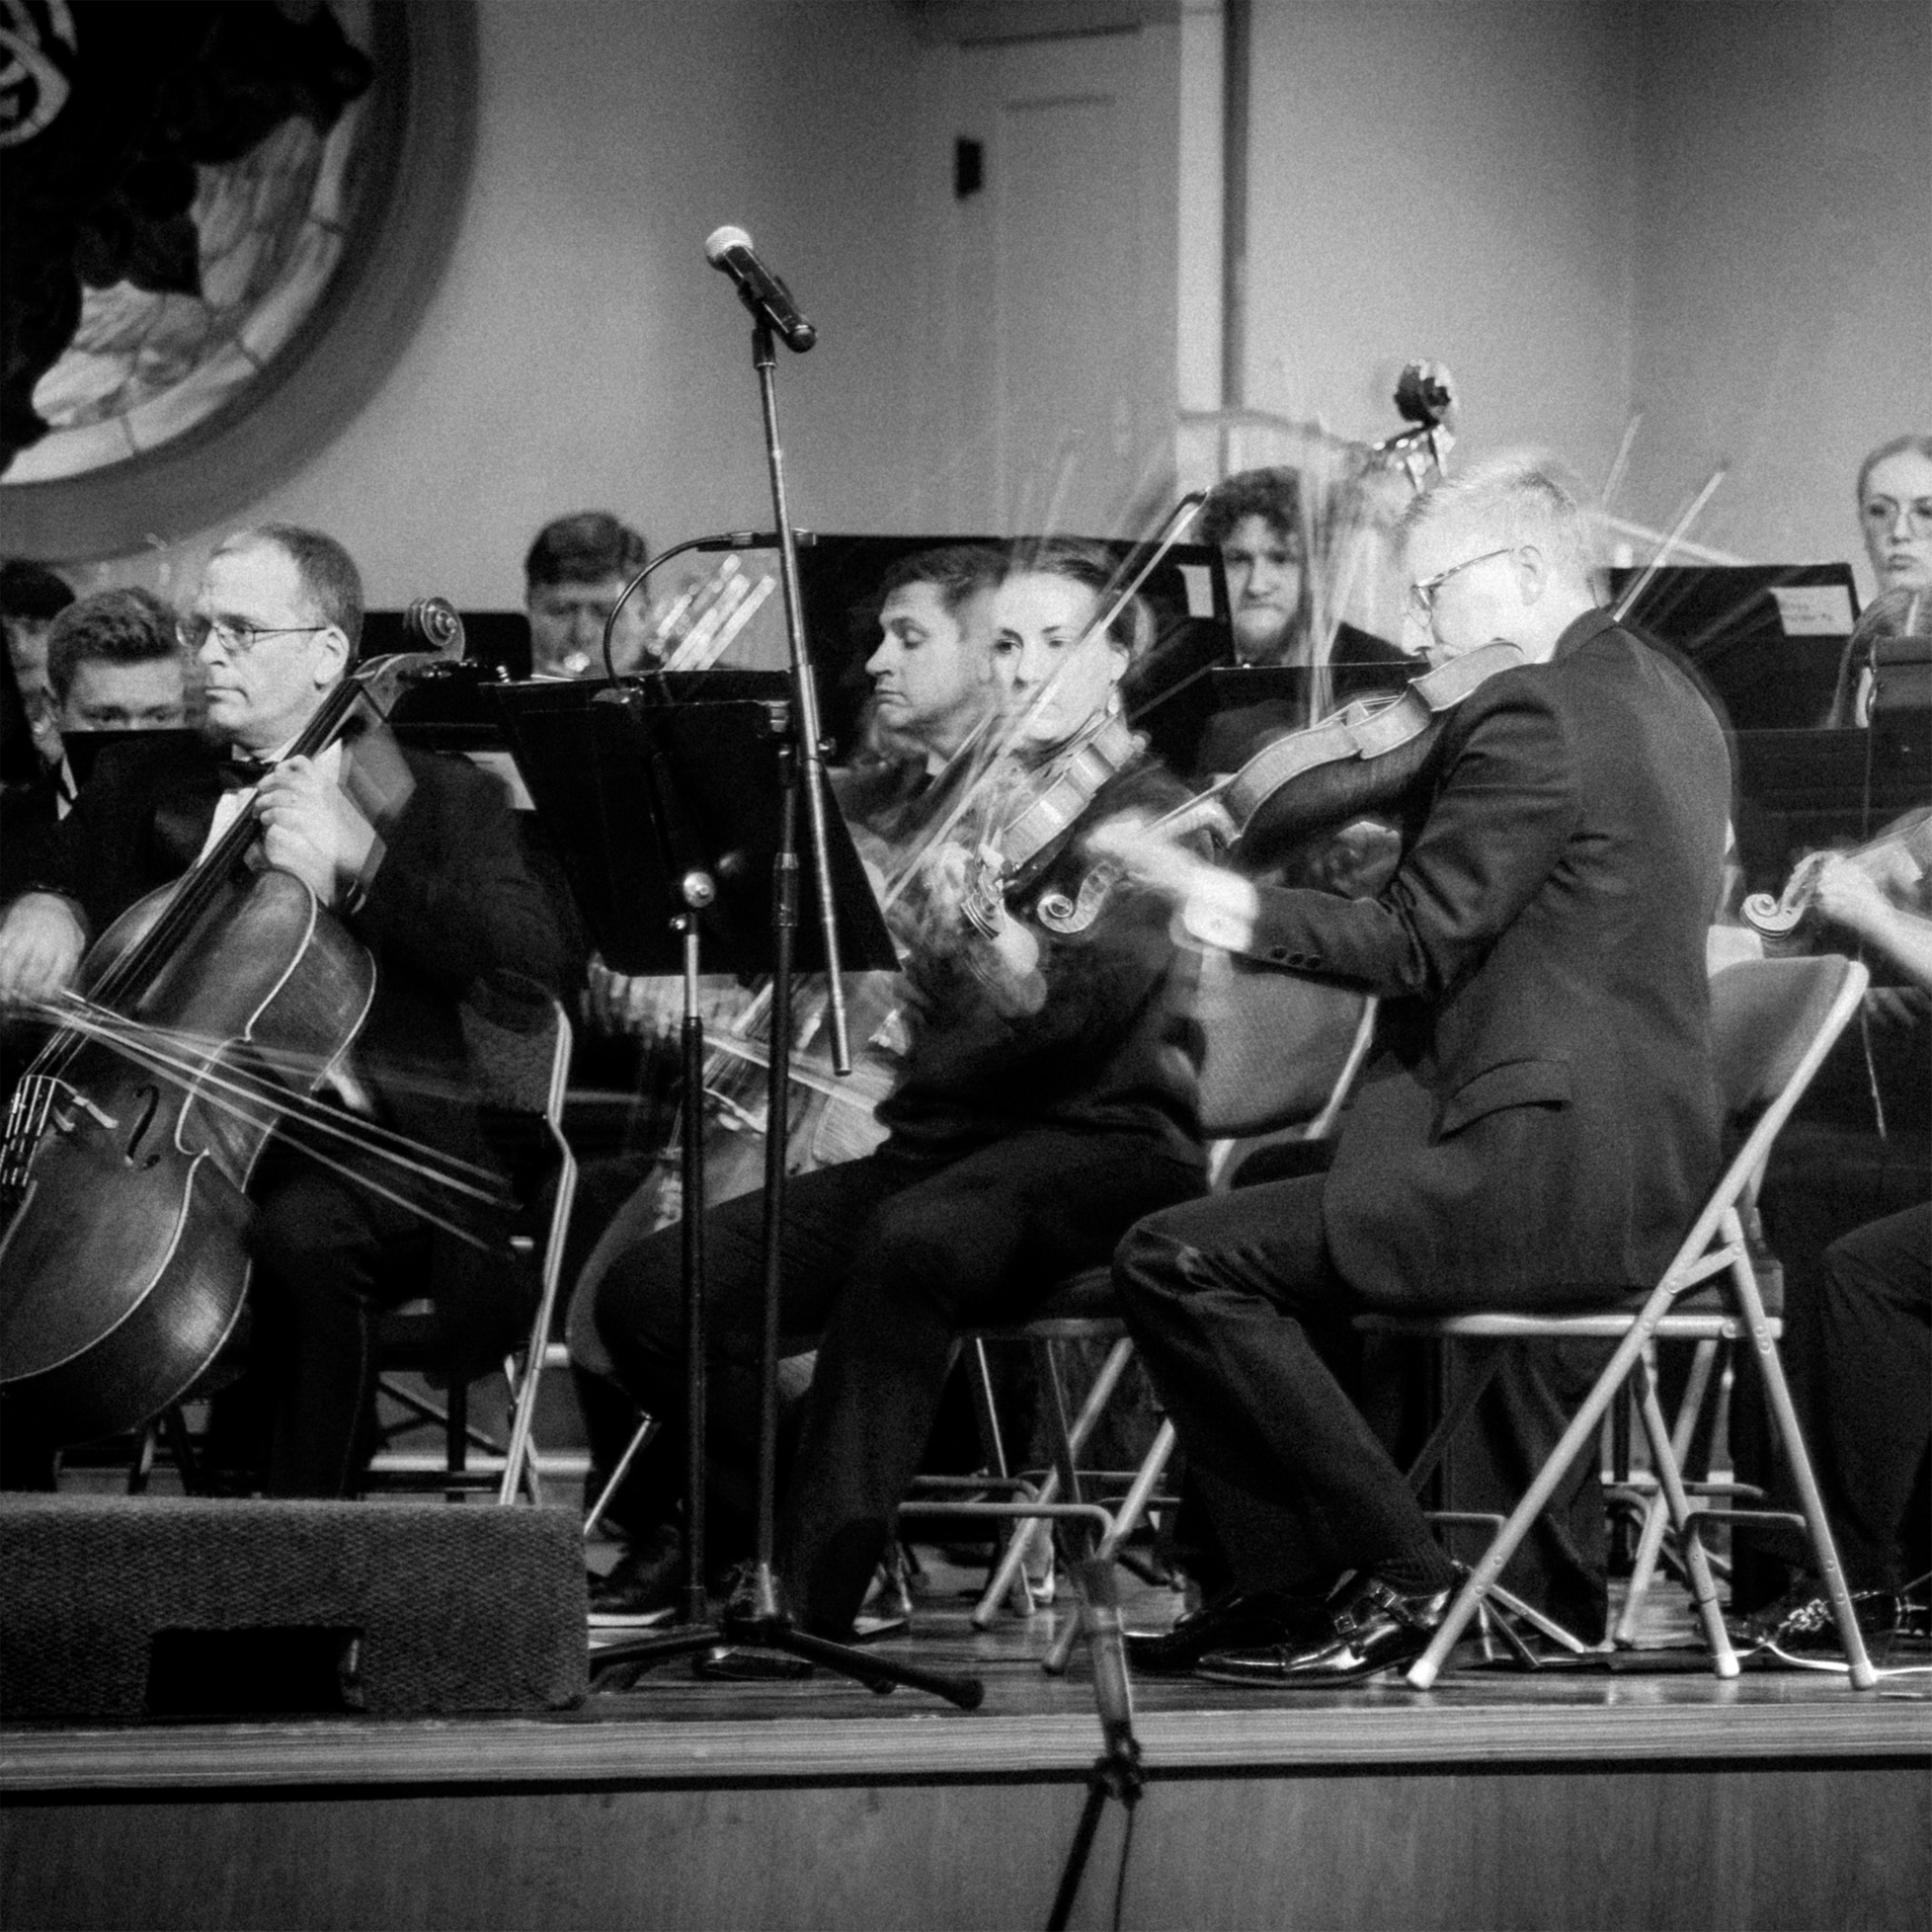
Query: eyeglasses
[[236, 640], [1422, 595]]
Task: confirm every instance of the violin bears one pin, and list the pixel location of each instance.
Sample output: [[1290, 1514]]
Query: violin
[[1778, 919], [204, 1020], [1360, 759], [1015, 858]]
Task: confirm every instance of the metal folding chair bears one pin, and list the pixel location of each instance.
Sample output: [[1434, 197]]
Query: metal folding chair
[[522, 1074], [1773, 1022], [1250, 1090]]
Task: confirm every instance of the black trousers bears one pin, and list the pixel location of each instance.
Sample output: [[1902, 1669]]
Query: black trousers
[[1244, 1323], [1863, 1389], [330, 1257], [1827, 1187], [884, 1261]]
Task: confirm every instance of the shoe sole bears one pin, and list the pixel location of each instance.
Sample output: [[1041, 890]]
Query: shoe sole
[[631, 1619]]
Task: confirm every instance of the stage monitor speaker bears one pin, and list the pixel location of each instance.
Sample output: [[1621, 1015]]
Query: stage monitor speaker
[[124, 1608]]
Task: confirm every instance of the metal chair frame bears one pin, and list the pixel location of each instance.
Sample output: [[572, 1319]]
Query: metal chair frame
[[1236, 1111], [508, 1467], [1714, 1251]]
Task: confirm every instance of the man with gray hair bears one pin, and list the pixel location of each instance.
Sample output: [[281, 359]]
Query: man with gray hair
[[1541, 1122], [418, 856]]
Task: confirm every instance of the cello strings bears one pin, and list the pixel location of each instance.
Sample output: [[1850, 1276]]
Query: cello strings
[[298, 1066], [199, 1073], [237, 1111], [202, 1077]]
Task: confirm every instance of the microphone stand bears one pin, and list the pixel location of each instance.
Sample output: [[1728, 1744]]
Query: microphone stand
[[757, 1618]]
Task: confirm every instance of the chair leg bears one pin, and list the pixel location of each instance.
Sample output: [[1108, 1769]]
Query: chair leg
[[1785, 1417], [1579, 1436], [1484, 1360], [1656, 1514], [1126, 1519], [456, 1432], [140, 1465], [1703, 1585], [646, 1429], [1009, 1573], [1009, 1576]]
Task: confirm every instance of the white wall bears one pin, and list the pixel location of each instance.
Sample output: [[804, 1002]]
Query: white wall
[[1442, 179], [1782, 314], [1714, 209], [1718, 212], [581, 352]]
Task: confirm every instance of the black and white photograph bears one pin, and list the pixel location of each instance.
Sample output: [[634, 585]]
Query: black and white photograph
[[965, 963]]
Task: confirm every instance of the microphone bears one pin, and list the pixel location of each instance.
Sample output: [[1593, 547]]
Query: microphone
[[730, 251]]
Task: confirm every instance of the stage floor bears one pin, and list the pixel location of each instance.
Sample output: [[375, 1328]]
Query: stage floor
[[1659, 1701], [1645, 1795]]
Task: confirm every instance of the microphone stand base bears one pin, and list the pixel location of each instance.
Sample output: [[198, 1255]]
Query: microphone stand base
[[749, 1643]]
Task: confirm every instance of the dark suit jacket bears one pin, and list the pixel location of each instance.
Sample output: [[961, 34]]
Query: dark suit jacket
[[1544, 1120], [452, 911]]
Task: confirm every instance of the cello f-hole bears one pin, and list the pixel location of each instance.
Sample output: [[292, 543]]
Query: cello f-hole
[[150, 1099]]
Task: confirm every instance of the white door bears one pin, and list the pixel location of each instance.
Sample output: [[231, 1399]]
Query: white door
[[1055, 389]]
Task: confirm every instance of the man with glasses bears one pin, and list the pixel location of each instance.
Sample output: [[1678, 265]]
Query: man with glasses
[[1538, 1129], [418, 855]]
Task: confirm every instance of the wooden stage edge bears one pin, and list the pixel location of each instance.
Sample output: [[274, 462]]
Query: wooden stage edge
[[1720, 1727]]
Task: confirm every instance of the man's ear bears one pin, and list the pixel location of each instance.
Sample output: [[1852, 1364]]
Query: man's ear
[[1532, 571], [332, 658]]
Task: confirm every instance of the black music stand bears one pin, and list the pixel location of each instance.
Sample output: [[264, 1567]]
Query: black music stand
[[664, 812]]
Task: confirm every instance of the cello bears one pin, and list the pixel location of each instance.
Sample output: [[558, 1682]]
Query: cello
[[205, 1018]]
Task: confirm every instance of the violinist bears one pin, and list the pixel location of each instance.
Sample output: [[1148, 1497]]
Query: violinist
[[1858, 1321], [1263, 522], [932, 689], [1542, 1121], [931, 697], [425, 871], [1047, 1100], [1257, 519], [1894, 511], [1890, 617]]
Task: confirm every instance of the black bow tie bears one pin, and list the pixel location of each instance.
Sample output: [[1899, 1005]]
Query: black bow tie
[[238, 773]]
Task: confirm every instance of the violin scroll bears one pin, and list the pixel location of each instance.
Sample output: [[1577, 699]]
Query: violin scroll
[[1896, 861]]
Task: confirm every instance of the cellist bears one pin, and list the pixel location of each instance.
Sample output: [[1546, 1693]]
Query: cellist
[[422, 866], [1048, 1098]]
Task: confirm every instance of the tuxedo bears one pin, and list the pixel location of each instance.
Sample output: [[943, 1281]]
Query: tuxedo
[[450, 916], [1541, 1124]]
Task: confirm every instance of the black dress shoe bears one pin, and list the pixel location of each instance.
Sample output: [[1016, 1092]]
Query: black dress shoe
[[644, 1586], [1800, 1625], [1236, 1620], [1372, 1627]]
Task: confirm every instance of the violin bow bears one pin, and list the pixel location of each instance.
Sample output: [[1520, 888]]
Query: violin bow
[[1159, 545], [1678, 531]]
